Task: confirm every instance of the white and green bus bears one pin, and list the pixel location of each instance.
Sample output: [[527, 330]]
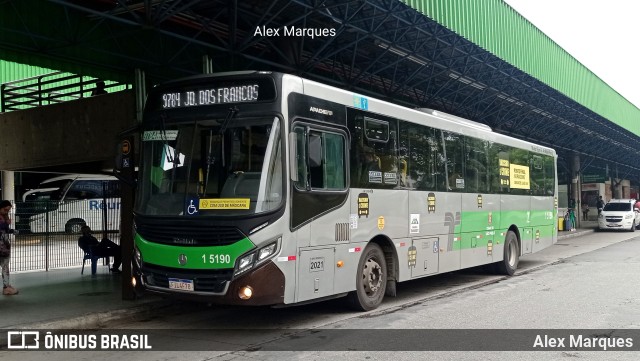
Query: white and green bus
[[261, 188]]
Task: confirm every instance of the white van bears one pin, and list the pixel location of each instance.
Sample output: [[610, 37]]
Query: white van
[[76, 200], [619, 214]]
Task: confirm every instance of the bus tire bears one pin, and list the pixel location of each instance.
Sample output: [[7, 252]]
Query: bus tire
[[74, 226], [509, 263], [371, 280]]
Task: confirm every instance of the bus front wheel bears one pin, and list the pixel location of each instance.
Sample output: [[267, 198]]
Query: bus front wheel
[[509, 263], [371, 280], [75, 226]]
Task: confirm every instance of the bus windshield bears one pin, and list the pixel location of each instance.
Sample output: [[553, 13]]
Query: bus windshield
[[213, 167]]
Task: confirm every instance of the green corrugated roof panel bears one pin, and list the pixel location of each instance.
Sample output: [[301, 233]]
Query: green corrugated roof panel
[[499, 29]]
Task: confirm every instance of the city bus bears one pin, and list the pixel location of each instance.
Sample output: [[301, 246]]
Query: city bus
[[262, 188], [68, 202]]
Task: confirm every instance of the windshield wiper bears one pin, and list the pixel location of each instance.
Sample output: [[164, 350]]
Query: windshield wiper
[[225, 122]]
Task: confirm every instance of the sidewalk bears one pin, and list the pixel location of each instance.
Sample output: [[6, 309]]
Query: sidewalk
[[66, 299]]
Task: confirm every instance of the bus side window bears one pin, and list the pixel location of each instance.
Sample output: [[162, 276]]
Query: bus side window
[[322, 155], [85, 189]]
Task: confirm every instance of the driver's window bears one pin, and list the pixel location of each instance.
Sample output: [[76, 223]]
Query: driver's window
[[320, 159]]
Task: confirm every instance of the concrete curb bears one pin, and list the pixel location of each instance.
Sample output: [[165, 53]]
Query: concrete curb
[[95, 320]]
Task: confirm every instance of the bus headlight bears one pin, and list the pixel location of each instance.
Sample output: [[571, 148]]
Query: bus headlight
[[245, 263], [252, 259], [267, 251]]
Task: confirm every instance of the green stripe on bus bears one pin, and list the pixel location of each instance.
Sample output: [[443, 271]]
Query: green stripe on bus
[[478, 231], [212, 257]]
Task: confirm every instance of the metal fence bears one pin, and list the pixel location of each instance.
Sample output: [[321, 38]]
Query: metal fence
[[49, 88], [48, 231]]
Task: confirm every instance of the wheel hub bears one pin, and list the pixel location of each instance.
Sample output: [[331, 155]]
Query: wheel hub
[[372, 276]]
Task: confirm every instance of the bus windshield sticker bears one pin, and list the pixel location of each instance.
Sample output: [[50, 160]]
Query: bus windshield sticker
[[192, 207], [225, 203], [153, 135]]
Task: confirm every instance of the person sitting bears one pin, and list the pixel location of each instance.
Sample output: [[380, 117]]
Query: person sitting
[[104, 248]]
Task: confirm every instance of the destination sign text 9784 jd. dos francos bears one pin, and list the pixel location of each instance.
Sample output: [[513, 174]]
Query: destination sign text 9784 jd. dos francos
[[210, 96]]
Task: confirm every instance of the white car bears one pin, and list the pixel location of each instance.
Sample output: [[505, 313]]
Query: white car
[[619, 214]]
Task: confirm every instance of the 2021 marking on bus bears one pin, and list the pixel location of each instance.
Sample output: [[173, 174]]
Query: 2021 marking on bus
[[292, 205]]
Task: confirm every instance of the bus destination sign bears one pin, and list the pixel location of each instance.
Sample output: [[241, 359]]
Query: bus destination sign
[[246, 93]]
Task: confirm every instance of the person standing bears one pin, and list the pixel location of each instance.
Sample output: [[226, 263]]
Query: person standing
[[600, 205], [5, 247], [585, 211]]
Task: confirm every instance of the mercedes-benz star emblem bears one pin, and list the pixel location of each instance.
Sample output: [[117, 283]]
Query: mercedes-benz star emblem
[[182, 259]]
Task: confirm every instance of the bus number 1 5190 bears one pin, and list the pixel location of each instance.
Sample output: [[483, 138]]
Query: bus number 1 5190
[[217, 258]]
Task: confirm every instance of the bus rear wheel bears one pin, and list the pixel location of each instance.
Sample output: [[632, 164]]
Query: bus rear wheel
[[371, 280], [509, 263]]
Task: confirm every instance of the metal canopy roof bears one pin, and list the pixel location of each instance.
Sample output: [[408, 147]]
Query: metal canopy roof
[[383, 49]]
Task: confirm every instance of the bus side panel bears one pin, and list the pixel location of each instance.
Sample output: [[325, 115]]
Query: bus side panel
[[478, 228], [378, 212], [543, 221], [514, 210], [437, 215]]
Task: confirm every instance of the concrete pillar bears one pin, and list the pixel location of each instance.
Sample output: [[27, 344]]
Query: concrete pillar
[[8, 186], [576, 191]]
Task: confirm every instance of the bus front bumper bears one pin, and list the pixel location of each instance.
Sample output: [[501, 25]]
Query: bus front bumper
[[266, 284]]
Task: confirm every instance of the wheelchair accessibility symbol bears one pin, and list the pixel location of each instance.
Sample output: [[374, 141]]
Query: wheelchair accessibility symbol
[[192, 208]]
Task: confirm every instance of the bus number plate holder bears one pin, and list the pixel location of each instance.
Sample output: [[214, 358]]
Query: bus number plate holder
[[181, 284]]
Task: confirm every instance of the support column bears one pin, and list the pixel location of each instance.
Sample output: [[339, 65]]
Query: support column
[[576, 188], [140, 89], [128, 192], [8, 186]]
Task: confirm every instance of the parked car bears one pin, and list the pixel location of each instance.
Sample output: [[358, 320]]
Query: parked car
[[619, 214]]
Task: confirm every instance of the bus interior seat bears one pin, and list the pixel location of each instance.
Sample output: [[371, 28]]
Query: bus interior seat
[[243, 185]]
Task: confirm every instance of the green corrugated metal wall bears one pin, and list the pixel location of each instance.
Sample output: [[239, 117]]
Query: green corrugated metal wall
[[498, 28], [13, 71]]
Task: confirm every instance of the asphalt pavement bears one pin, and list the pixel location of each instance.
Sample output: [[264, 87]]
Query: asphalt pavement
[[65, 299]]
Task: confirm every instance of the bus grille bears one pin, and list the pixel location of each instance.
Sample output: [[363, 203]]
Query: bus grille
[[189, 236], [213, 280]]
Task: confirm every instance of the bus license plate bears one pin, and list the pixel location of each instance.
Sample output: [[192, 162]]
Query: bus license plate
[[180, 284]]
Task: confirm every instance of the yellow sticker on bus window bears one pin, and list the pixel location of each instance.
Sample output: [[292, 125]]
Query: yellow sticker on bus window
[[519, 176], [225, 203]]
